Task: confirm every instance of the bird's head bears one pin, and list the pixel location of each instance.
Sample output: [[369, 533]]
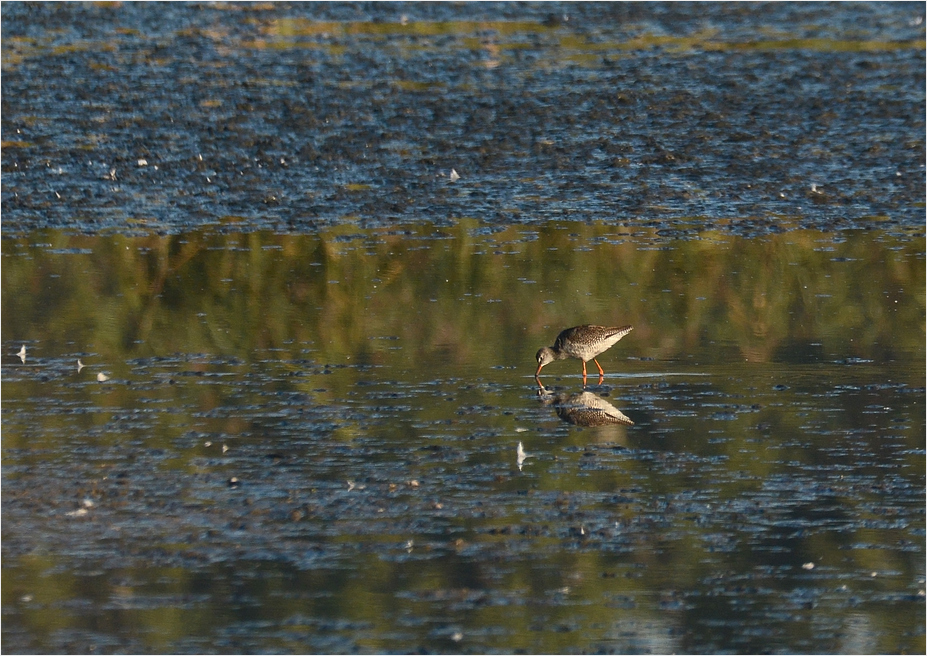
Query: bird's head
[[544, 356]]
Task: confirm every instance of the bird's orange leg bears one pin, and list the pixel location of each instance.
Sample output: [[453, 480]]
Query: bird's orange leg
[[584, 373], [601, 371]]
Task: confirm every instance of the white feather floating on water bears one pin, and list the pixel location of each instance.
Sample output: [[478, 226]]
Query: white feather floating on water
[[521, 455]]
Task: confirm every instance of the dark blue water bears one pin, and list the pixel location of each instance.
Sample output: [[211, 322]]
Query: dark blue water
[[293, 117]]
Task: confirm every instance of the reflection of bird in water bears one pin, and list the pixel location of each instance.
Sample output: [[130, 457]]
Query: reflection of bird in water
[[583, 343], [585, 409]]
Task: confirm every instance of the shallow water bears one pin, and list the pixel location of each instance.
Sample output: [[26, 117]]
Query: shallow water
[[311, 442], [276, 390], [293, 117]]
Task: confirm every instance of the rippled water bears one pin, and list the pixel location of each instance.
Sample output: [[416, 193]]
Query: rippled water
[[315, 445], [294, 117], [268, 372]]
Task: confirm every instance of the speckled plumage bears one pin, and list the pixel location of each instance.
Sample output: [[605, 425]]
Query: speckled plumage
[[583, 343]]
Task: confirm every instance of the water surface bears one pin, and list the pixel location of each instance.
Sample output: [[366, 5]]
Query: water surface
[[311, 442], [277, 274]]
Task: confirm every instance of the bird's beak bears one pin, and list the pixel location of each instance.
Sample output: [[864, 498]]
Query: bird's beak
[[538, 372]]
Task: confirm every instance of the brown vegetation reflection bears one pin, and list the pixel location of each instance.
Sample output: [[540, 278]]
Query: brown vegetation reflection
[[457, 296]]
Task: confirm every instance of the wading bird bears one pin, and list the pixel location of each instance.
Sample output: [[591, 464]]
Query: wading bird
[[583, 343]]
